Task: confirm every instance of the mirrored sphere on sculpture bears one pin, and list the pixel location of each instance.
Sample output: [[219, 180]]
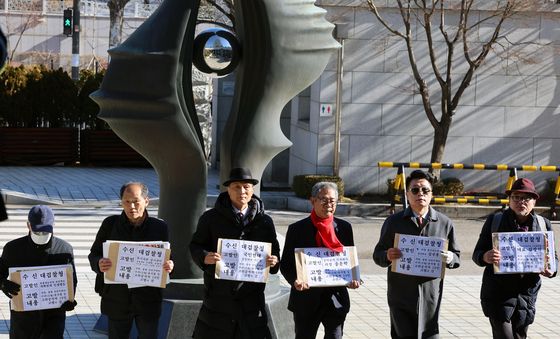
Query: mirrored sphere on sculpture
[[216, 52]]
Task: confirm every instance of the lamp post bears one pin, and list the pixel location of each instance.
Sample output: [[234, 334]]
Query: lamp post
[[76, 41], [341, 33]]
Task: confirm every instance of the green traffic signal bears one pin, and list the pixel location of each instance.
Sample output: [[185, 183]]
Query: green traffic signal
[[67, 22]]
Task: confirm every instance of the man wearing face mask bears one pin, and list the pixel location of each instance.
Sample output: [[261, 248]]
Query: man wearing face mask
[[38, 248]]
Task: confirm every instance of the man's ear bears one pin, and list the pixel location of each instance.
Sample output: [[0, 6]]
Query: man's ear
[[29, 226], [147, 201]]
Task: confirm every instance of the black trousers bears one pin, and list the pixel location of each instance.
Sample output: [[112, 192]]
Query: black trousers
[[45, 324], [307, 325], [507, 330], [147, 326]]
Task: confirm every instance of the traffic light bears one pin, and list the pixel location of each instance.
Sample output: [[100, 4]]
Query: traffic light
[[67, 23]]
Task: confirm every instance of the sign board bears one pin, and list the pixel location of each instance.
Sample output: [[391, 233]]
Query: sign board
[[421, 256], [243, 260], [524, 252], [323, 267], [137, 263], [42, 287], [326, 110]]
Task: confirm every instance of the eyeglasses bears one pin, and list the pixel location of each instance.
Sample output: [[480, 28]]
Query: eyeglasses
[[524, 198], [326, 201], [416, 190]]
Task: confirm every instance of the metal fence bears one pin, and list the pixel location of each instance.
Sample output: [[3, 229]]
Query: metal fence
[[87, 7]]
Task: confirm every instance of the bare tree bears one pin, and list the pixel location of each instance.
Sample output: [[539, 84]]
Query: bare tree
[[217, 12], [116, 19], [457, 38], [31, 21]]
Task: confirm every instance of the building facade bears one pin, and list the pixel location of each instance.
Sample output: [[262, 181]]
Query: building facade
[[508, 115]]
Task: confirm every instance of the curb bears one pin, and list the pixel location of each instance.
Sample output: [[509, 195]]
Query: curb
[[288, 201]]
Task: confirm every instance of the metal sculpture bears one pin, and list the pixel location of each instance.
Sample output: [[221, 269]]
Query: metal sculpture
[[146, 98]]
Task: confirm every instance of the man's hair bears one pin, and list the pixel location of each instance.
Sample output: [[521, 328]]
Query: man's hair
[[143, 187], [419, 174], [322, 185]]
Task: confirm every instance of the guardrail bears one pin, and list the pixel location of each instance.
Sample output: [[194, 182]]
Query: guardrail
[[399, 184], [87, 7]]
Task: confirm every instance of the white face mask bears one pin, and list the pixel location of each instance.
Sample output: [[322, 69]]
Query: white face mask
[[40, 238]]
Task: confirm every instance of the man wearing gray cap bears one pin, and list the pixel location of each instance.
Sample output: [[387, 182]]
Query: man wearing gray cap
[[38, 248]]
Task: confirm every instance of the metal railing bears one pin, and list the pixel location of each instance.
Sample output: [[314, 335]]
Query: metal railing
[[87, 7], [399, 184]]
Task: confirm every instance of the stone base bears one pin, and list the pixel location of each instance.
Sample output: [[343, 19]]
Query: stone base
[[178, 316], [182, 314]]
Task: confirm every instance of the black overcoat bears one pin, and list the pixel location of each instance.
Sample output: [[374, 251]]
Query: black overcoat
[[507, 296], [229, 304], [117, 300]]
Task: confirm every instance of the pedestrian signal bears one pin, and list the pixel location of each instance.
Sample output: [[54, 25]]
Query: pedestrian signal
[[67, 23]]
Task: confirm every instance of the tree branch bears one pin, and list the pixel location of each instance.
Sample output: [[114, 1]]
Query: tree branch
[[373, 8], [227, 12]]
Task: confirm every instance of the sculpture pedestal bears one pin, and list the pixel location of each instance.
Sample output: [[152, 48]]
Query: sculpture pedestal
[[183, 299], [179, 315]]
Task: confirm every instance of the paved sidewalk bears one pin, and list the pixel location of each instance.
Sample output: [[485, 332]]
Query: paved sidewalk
[[461, 316]]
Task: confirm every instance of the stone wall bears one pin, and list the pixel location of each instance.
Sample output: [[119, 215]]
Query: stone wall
[[509, 114]]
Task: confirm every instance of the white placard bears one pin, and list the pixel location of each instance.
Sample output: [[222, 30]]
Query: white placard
[[323, 267], [524, 252], [243, 260], [421, 256], [137, 263], [42, 287]]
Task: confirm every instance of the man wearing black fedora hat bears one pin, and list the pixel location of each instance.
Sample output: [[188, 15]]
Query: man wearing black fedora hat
[[508, 300], [233, 309]]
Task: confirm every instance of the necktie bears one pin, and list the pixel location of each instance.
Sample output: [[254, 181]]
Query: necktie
[[240, 217], [420, 220]]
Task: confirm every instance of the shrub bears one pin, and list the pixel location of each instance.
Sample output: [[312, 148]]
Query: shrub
[[448, 186], [88, 83], [302, 184]]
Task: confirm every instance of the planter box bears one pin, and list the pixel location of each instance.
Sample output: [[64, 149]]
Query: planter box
[[38, 146], [105, 148]]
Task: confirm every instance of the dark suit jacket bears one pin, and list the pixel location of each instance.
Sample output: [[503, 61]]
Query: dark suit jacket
[[302, 234]]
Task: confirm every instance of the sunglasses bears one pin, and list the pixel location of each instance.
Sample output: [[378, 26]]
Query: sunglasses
[[524, 198], [416, 190]]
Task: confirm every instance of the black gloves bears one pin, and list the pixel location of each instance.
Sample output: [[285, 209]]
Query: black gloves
[[68, 305], [9, 288]]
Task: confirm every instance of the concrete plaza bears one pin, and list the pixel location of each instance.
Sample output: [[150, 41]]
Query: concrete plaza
[[84, 197]]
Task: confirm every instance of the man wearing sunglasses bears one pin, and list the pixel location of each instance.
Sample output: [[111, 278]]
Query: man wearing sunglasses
[[508, 300], [414, 301]]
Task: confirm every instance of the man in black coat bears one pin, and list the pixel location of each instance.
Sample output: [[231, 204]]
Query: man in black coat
[[233, 309], [121, 304], [508, 300], [38, 248], [326, 305]]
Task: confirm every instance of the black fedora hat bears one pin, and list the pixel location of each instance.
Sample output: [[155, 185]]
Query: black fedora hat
[[240, 174]]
